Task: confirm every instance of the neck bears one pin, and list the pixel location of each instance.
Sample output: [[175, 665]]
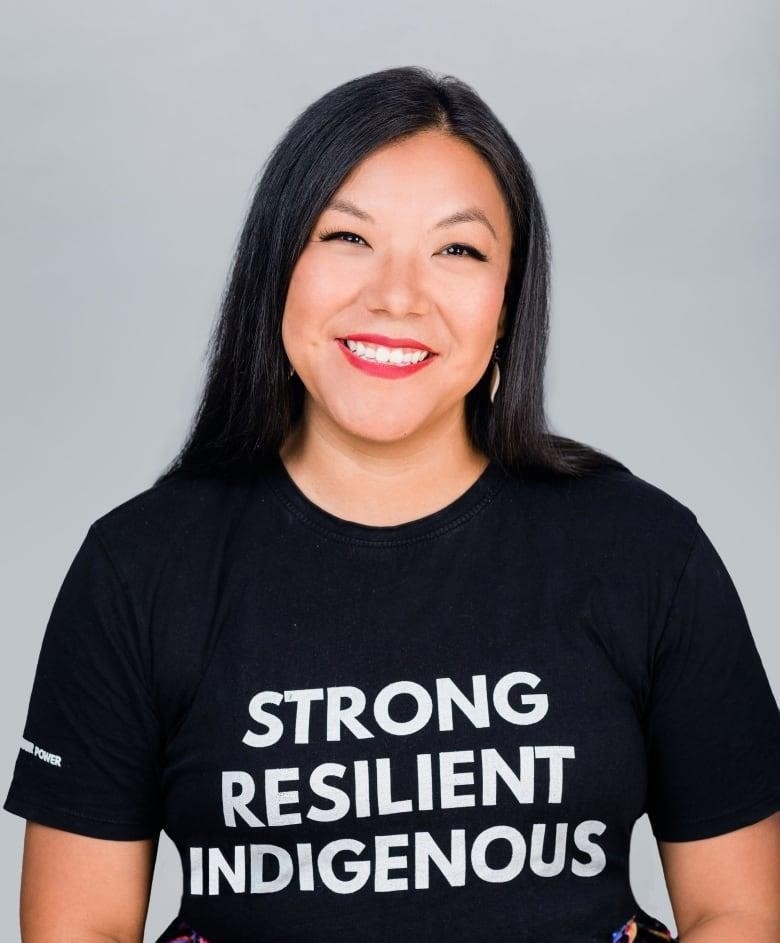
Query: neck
[[381, 484]]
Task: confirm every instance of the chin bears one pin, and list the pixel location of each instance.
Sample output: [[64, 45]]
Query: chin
[[381, 432], [383, 422]]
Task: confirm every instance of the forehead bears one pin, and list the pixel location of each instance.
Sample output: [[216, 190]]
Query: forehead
[[431, 171]]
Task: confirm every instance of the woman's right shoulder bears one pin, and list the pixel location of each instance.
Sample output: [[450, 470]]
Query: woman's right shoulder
[[172, 519]]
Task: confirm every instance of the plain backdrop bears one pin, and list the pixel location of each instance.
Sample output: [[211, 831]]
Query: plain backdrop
[[133, 135]]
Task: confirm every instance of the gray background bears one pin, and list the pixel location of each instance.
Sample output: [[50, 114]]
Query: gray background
[[133, 135]]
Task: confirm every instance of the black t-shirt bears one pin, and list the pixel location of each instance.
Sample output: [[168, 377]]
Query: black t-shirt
[[443, 729]]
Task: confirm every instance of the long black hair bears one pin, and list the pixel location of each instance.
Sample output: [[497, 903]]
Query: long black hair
[[249, 405]]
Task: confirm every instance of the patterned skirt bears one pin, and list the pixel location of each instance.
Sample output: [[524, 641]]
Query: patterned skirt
[[641, 928]]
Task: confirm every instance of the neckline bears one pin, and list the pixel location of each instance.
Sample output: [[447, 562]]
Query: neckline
[[453, 515]]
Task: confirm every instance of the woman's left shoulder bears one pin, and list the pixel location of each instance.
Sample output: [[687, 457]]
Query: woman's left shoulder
[[614, 504]]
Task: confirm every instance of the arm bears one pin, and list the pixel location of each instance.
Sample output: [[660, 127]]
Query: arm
[[727, 887], [84, 890]]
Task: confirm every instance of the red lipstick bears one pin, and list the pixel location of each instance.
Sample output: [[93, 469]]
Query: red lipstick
[[375, 368]]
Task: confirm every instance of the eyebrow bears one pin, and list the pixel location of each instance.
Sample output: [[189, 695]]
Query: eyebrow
[[467, 215]]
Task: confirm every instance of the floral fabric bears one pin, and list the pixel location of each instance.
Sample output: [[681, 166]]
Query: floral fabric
[[640, 928], [181, 932]]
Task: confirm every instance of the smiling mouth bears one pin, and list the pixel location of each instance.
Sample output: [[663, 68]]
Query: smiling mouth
[[379, 353]]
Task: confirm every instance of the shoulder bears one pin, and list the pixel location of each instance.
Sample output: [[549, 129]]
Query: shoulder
[[169, 519], [609, 503], [173, 502], [174, 548]]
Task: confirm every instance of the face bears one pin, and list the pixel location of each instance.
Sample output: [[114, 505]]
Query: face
[[397, 300]]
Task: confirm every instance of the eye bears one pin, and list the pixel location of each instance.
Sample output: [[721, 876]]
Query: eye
[[461, 251], [342, 236]]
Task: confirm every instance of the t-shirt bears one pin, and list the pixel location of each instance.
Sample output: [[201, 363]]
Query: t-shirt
[[440, 730]]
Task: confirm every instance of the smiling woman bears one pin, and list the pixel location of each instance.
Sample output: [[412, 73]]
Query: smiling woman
[[370, 493]]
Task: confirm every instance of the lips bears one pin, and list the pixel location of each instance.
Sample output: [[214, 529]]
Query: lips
[[389, 357]]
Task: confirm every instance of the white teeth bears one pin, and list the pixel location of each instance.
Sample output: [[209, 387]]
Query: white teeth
[[398, 356]]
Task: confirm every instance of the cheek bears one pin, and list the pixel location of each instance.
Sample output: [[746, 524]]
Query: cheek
[[305, 303], [478, 308], [317, 295], [317, 289]]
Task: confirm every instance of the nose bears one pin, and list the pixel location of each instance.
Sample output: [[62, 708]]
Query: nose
[[396, 286]]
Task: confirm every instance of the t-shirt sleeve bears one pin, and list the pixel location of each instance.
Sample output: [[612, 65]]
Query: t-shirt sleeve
[[712, 724], [89, 759]]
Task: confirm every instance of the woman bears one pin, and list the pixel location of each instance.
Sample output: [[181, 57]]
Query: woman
[[386, 658]]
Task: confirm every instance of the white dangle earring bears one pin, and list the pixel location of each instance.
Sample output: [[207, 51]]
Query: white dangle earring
[[495, 376]]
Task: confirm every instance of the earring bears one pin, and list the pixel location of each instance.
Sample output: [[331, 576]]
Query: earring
[[495, 376]]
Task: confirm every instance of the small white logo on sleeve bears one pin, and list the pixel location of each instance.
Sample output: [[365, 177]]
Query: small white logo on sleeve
[[42, 754]]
